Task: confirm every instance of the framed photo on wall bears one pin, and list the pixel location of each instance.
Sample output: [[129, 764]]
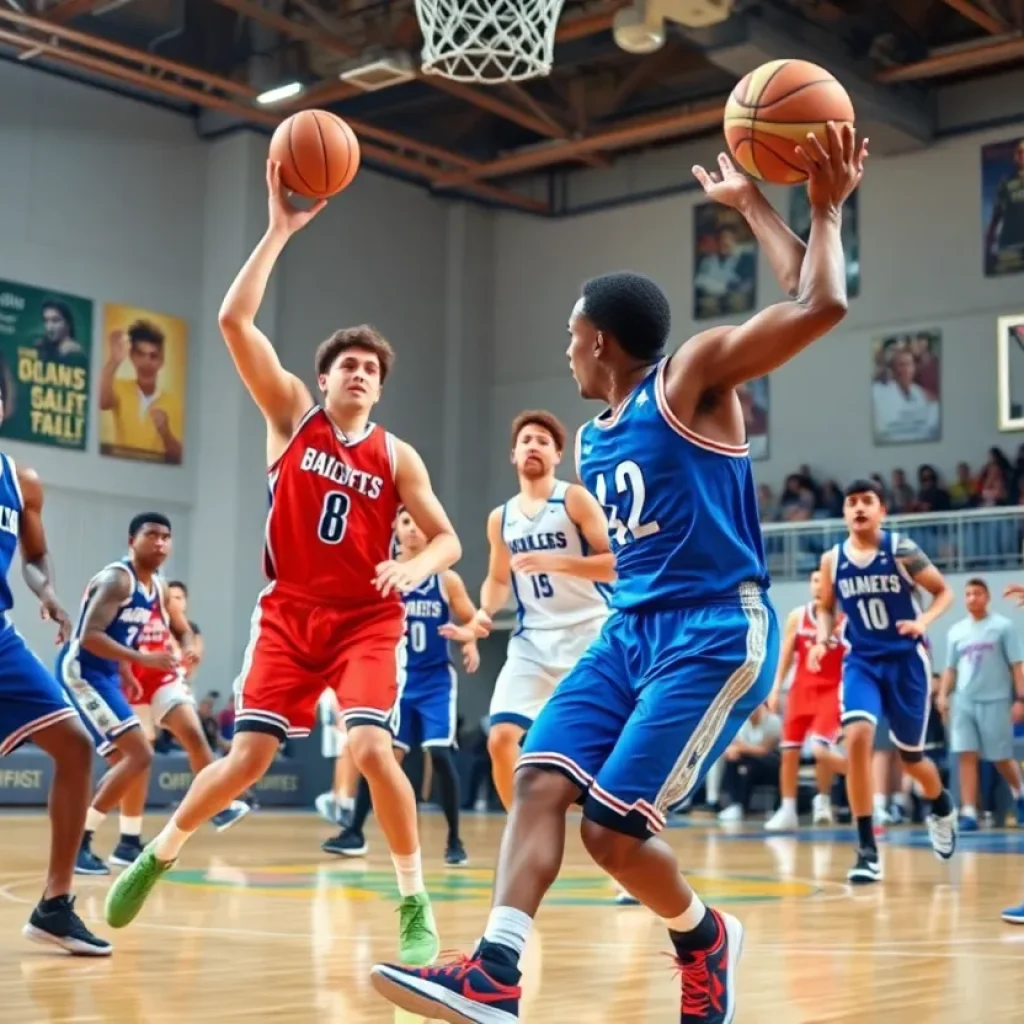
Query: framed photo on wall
[[800, 224], [754, 400], [1010, 371], [724, 262], [906, 398], [1002, 207]]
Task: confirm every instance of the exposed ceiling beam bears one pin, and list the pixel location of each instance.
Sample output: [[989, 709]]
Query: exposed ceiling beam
[[983, 56], [330, 92], [91, 42], [991, 24], [68, 9], [638, 132], [588, 24], [201, 97]]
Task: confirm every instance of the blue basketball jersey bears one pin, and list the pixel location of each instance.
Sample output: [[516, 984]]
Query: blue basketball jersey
[[10, 517], [874, 593], [682, 510], [126, 626], [426, 610]]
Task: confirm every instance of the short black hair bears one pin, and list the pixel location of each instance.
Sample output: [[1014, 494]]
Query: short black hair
[[632, 309], [864, 487], [177, 583], [976, 581], [143, 332], [146, 519]]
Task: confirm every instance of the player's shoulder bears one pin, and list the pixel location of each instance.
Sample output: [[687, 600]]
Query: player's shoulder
[[115, 578], [796, 615], [904, 546]]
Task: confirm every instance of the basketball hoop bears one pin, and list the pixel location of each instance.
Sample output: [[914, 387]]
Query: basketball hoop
[[488, 41]]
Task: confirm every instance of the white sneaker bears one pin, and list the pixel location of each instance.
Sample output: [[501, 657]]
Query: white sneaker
[[942, 833], [783, 820], [327, 807], [734, 812], [822, 809]]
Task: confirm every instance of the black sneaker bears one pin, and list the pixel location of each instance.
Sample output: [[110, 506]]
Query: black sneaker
[[126, 851], [347, 843], [867, 870], [87, 863], [455, 854], [55, 923]]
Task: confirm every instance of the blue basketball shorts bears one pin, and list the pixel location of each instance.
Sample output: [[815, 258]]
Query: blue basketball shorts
[[30, 699], [426, 713], [896, 688], [653, 703], [98, 698]]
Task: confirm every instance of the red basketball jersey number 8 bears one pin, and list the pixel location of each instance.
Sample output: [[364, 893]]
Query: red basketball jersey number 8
[[334, 517]]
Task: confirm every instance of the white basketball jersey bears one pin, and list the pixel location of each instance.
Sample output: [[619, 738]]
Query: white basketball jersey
[[552, 601]]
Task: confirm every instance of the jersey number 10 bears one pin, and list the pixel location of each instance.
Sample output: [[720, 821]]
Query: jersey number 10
[[629, 480], [873, 613]]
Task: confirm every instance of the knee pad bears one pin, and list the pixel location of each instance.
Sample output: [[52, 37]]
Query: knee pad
[[911, 756]]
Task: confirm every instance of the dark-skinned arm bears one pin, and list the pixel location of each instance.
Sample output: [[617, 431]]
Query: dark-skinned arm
[[113, 587], [36, 564], [923, 572]]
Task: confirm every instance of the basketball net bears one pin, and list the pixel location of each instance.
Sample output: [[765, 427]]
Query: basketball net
[[488, 41]]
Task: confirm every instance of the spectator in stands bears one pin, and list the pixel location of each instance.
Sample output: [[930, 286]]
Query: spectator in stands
[[883, 489], [797, 501], [767, 506], [994, 490], [901, 494], [931, 495], [751, 760], [964, 491], [831, 500]]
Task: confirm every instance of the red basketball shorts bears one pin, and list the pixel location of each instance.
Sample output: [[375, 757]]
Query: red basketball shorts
[[811, 711], [299, 648]]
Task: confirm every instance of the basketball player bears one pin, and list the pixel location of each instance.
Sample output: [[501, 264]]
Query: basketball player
[[332, 610], [873, 578], [117, 605], [812, 709], [34, 707], [335, 804], [162, 699], [426, 712], [549, 546], [691, 646]]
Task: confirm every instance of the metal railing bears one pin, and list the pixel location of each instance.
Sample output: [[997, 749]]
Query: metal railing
[[970, 540]]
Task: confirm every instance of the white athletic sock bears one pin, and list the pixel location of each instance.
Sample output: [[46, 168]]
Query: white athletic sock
[[346, 803], [880, 802], [131, 826], [409, 869], [689, 918], [168, 844], [508, 927], [968, 811], [93, 819], [788, 807]]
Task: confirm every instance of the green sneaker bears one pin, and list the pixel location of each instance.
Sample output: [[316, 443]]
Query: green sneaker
[[129, 892], [418, 942]]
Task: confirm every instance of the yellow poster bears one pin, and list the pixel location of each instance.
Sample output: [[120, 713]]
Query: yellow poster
[[142, 385]]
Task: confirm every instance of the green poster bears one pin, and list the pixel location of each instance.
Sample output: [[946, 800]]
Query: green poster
[[45, 349]]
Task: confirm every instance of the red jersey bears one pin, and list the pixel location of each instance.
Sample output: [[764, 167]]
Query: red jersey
[[831, 664], [155, 637], [333, 502]]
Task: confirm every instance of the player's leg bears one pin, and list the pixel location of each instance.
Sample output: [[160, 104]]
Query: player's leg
[[438, 712], [563, 751], [33, 706], [996, 724], [795, 727], [133, 804], [176, 712], [861, 703], [965, 745], [707, 671], [828, 760], [907, 701]]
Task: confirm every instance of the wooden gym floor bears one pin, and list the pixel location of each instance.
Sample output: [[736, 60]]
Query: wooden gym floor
[[258, 925]]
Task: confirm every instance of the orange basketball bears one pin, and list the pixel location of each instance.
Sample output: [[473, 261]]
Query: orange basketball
[[318, 153], [771, 111]]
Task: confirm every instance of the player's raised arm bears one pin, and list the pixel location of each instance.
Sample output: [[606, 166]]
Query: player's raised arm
[[36, 564], [785, 658], [725, 357], [463, 609], [417, 494], [784, 249], [920, 569], [282, 397]]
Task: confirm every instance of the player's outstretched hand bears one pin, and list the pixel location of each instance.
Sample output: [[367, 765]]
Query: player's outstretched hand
[[162, 661], [397, 577], [51, 611], [477, 628], [727, 185], [910, 627], [283, 215], [814, 656], [832, 173], [1015, 593], [470, 657], [189, 658], [772, 703]]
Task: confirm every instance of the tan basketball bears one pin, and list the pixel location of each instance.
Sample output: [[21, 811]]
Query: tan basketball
[[318, 153]]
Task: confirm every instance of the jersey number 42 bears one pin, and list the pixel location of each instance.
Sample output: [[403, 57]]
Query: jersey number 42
[[631, 491]]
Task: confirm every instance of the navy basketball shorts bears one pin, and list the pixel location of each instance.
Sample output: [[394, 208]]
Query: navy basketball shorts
[[30, 698], [426, 712], [896, 689], [653, 703], [99, 700]]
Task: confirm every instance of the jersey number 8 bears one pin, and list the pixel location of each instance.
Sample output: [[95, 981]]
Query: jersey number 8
[[334, 517]]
